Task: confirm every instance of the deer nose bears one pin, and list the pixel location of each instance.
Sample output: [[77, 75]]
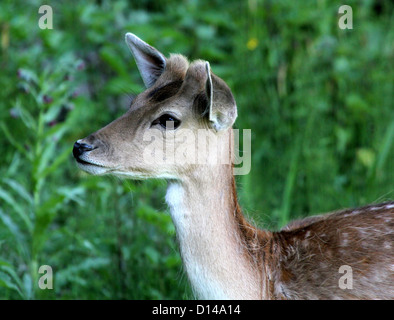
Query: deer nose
[[80, 148]]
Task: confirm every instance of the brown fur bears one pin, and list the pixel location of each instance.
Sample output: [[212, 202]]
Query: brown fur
[[308, 253]]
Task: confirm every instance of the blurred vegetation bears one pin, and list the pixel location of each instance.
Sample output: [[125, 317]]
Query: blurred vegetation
[[319, 101]]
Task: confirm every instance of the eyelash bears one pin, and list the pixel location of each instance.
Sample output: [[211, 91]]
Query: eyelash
[[163, 119]]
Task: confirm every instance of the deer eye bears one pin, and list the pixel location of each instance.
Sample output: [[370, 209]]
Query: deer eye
[[167, 120]]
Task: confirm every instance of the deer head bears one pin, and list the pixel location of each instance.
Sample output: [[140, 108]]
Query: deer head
[[179, 97]]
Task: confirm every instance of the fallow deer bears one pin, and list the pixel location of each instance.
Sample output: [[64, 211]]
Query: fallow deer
[[224, 255]]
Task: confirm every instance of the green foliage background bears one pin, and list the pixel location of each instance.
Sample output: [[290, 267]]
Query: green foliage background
[[319, 101]]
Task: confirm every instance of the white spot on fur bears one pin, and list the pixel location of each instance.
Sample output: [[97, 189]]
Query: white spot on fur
[[387, 245], [345, 239]]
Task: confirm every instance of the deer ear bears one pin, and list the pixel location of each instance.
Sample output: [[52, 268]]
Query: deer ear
[[221, 103], [150, 62]]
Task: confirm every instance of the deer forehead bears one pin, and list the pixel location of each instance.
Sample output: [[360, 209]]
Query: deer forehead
[[179, 86]]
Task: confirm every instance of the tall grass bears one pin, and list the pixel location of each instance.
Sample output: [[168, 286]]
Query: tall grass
[[319, 102], [29, 207]]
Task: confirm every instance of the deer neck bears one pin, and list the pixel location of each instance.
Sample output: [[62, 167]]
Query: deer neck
[[209, 227]]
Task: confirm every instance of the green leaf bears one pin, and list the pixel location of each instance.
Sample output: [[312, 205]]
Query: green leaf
[[21, 190], [12, 140], [7, 268], [12, 227], [6, 282], [59, 159], [41, 161], [17, 207], [152, 254], [366, 157], [112, 58], [69, 274]]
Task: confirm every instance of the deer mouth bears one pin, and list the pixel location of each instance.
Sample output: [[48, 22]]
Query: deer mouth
[[83, 162], [91, 167], [79, 160], [82, 159]]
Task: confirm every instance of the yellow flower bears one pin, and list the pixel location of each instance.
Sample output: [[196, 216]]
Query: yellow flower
[[252, 43]]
